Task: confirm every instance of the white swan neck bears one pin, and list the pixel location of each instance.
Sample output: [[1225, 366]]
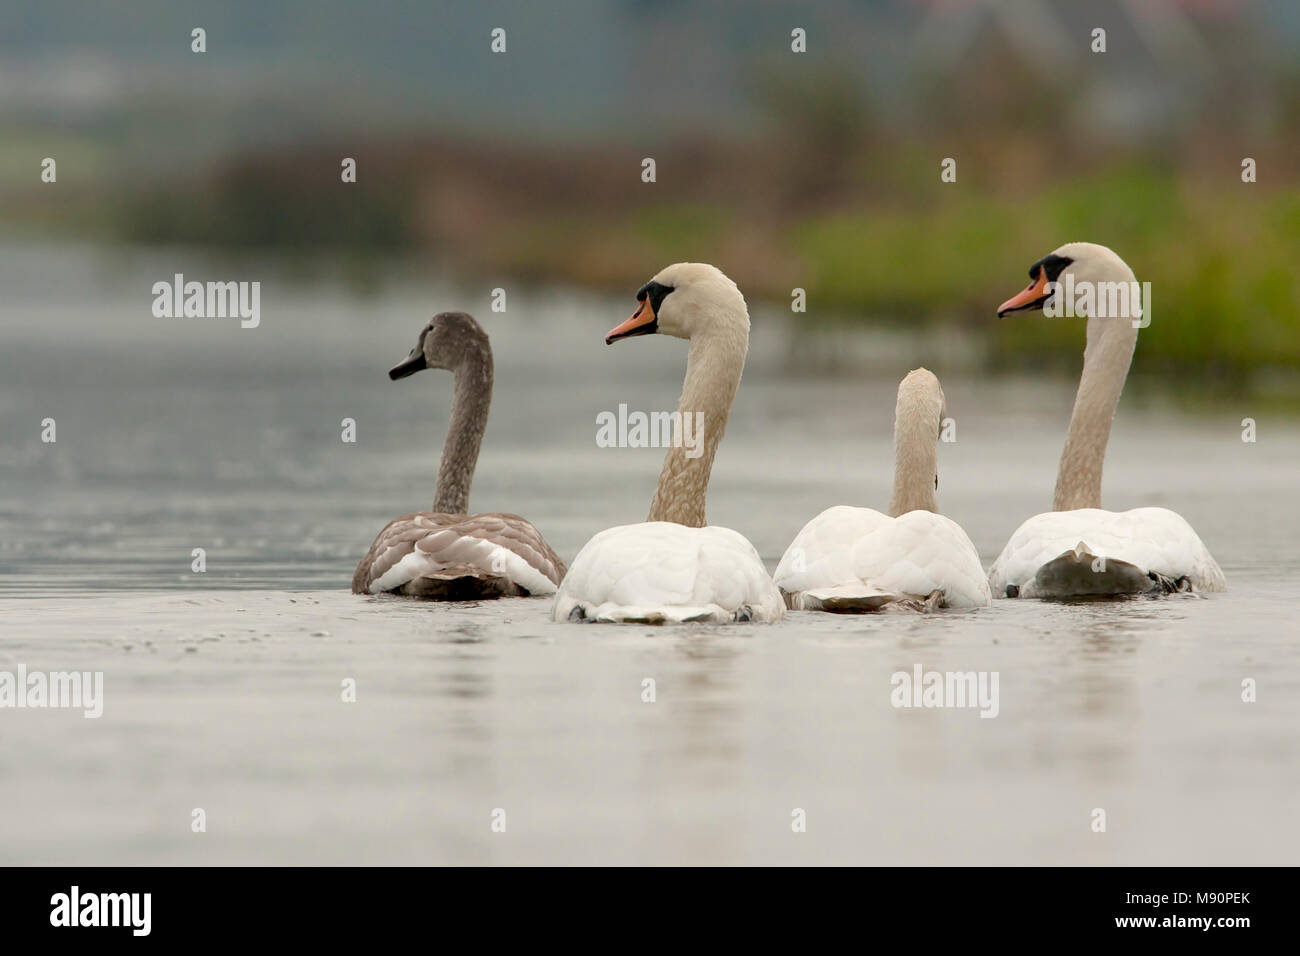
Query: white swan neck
[[1106, 361], [713, 369], [917, 419]]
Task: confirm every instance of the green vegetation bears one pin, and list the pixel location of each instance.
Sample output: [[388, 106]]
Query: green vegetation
[[875, 239], [1222, 265]]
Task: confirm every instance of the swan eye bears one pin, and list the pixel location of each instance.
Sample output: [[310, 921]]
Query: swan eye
[[936, 482], [1053, 264], [656, 292]]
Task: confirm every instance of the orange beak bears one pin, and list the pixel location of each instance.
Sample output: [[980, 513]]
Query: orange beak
[[1032, 297], [642, 322]]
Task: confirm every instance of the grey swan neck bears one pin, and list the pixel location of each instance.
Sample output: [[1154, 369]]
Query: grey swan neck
[[471, 399]]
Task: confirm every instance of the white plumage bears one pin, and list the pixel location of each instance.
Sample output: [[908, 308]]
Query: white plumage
[[857, 558], [1091, 551], [675, 567], [1078, 548], [661, 572]]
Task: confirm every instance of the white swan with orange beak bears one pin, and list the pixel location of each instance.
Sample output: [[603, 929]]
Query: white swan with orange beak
[[1077, 548], [675, 567]]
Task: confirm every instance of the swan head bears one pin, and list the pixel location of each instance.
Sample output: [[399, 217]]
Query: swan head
[[920, 397], [1084, 262], [446, 342], [684, 300]]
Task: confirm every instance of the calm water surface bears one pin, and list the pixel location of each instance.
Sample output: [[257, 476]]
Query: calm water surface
[[223, 689]]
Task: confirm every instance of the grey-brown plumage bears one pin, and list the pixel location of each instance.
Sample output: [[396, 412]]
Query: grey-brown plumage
[[447, 554], [451, 544]]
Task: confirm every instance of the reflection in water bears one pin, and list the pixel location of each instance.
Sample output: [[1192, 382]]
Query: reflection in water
[[706, 725], [703, 728]]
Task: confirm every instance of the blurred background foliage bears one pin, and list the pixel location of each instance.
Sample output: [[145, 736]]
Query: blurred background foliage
[[818, 170]]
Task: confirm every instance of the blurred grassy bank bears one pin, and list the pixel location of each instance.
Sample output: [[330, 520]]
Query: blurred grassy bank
[[870, 241], [823, 196], [816, 172]]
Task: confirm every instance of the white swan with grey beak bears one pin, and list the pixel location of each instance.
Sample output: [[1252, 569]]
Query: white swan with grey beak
[[675, 567], [850, 560], [1078, 548]]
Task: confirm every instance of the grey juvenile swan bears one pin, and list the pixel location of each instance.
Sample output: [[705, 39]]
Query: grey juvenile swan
[[448, 554]]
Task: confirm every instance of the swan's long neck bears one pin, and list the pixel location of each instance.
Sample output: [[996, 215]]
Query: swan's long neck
[[713, 370], [1106, 361], [469, 413], [916, 455]]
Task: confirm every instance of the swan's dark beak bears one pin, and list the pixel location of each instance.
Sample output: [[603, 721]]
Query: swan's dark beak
[[1033, 297], [414, 363], [643, 322]]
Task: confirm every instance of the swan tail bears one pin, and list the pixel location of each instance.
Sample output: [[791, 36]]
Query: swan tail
[[1082, 573], [930, 602], [842, 599], [674, 614], [461, 582], [1164, 584]]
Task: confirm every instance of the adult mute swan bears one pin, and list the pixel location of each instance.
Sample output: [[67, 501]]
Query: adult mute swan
[[674, 568], [1077, 548], [855, 559], [447, 554]]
